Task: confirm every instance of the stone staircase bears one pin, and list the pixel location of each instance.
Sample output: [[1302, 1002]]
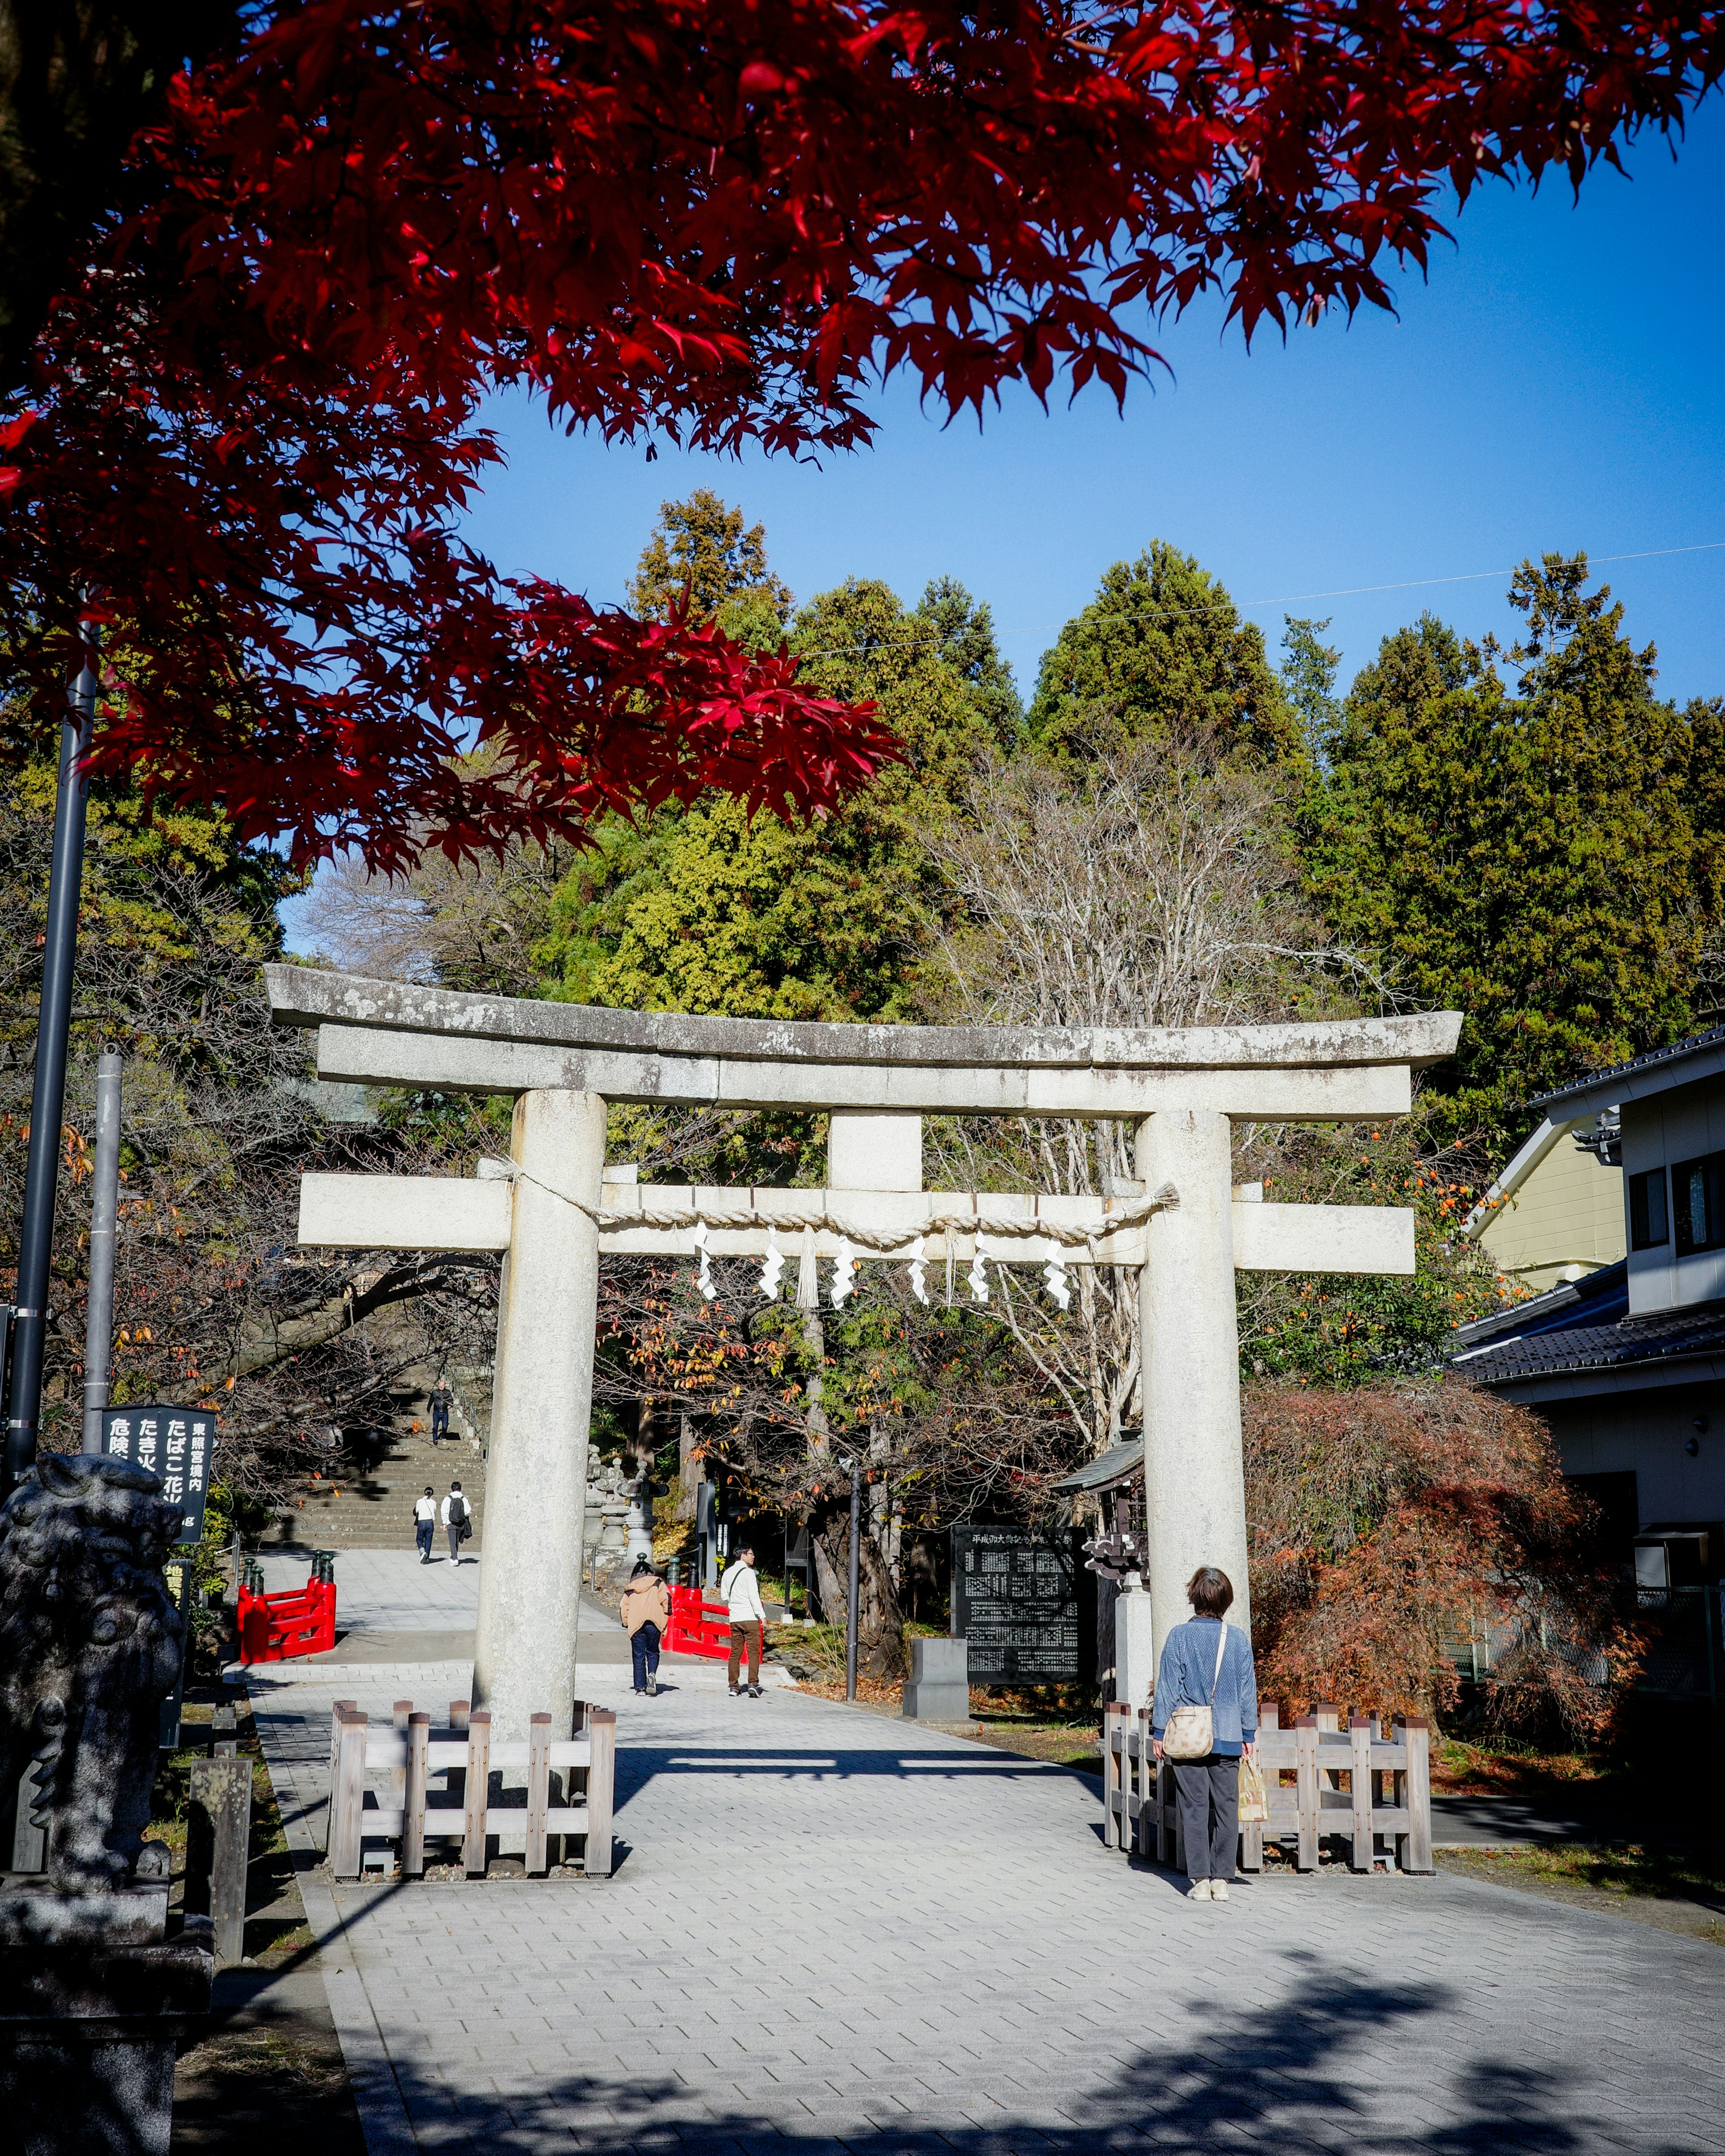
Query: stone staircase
[[374, 1509], [369, 1504]]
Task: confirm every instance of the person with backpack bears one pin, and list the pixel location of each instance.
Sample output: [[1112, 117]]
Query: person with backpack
[[424, 1524], [458, 1520], [1204, 1720], [646, 1613], [740, 1591]]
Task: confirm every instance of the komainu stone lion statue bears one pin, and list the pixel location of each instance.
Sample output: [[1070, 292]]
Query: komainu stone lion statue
[[89, 1646]]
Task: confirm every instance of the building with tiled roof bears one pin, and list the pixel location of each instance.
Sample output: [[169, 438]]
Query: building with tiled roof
[[1625, 1361]]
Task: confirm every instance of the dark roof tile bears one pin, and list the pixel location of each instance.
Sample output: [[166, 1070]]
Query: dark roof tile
[[1696, 1329], [1650, 1060]]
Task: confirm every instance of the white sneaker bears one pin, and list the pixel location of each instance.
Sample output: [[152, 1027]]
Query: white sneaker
[[1199, 1890], [652, 1687], [1219, 1889]]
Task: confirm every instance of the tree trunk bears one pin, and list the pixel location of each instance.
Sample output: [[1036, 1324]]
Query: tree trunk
[[881, 1623], [829, 1546], [831, 1588], [689, 1470]]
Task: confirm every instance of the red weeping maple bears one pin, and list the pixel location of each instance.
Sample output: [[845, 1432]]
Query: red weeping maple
[[256, 408]]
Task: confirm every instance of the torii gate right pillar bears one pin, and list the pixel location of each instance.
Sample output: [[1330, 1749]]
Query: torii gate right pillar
[[1194, 1469]]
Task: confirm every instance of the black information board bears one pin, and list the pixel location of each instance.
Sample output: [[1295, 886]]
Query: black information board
[[175, 1444], [1015, 1599]]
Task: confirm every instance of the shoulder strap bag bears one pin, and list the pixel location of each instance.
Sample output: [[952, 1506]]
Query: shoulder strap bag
[[1191, 1732]]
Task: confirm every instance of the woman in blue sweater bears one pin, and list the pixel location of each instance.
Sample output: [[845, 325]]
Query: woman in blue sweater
[[1209, 1662]]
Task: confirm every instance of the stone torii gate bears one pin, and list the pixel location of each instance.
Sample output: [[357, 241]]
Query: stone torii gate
[[553, 1210]]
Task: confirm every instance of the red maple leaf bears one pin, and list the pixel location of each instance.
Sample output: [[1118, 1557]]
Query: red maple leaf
[[257, 402]]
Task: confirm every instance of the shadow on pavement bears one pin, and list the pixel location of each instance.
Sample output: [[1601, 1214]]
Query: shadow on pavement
[[755, 1755], [1280, 2078]]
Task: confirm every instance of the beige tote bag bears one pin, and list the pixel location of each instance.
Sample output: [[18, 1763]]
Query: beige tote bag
[[1191, 1732]]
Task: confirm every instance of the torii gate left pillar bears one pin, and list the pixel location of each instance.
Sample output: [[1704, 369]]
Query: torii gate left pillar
[[536, 1482]]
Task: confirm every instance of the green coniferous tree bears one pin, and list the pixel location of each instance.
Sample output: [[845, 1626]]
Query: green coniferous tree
[[707, 911], [1162, 651], [1309, 673], [701, 544], [1534, 859]]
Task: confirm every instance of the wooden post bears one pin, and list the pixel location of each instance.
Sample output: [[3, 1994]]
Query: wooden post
[[538, 1790], [348, 1800], [341, 1707], [1328, 1719], [413, 1813], [455, 1780], [1359, 1728], [1251, 1832], [601, 1790], [399, 1775], [1166, 1814], [222, 1793], [1115, 1724], [1146, 1843], [1270, 1722], [478, 1790], [1416, 1735], [1305, 1763]]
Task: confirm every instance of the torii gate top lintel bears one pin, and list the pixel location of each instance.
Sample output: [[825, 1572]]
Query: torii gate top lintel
[[395, 1033]]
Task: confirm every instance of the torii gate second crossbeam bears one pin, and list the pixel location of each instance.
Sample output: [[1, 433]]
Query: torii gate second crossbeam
[[554, 1210]]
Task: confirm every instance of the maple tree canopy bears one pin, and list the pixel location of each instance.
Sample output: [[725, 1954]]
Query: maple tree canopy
[[251, 420]]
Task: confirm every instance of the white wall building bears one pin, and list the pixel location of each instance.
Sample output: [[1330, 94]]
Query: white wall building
[[1625, 1362]]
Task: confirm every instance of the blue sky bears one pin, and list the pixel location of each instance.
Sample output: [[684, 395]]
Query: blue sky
[[1555, 383]]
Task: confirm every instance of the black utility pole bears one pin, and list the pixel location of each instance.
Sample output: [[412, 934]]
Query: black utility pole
[[23, 1392], [856, 1554]]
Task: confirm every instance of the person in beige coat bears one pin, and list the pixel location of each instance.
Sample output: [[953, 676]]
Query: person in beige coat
[[646, 1612]]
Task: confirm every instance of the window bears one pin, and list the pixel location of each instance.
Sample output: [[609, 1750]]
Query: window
[[1648, 1227], [1698, 1195]]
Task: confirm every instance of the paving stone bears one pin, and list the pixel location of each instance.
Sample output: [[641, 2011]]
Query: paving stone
[[832, 1931]]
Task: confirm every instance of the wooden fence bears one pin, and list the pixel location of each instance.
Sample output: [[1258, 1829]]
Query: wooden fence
[[1389, 1790], [405, 1807]]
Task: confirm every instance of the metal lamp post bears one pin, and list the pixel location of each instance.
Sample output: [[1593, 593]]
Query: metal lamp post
[[23, 1394]]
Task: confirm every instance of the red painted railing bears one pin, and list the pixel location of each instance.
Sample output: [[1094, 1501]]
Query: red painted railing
[[698, 1626], [275, 1628]]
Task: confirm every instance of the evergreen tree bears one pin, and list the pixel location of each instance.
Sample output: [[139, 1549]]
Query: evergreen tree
[[1532, 859], [706, 910], [966, 632], [701, 544], [1162, 651], [1309, 675]]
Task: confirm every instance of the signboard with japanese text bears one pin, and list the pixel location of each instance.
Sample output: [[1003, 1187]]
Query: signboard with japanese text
[[175, 1444], [1015, 1599]]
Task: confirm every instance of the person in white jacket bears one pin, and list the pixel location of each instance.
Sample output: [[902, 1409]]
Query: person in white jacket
[[424, 1524], [740, 1591]]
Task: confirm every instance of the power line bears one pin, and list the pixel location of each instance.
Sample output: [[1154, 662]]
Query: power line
[[1293, 599]]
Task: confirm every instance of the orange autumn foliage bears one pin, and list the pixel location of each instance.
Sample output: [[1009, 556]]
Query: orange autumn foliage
[[1388, 1524]]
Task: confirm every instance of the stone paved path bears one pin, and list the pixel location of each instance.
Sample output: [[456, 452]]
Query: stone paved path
[[829, 1932]]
